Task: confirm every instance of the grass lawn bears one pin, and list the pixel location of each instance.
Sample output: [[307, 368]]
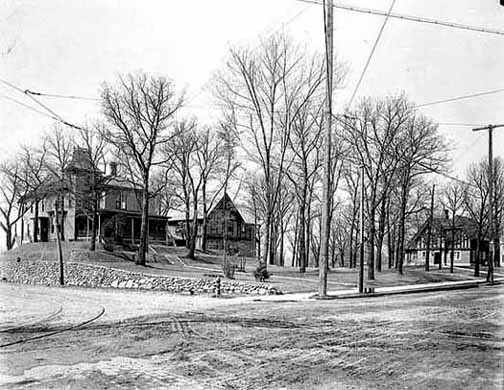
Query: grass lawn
[[170, 261]]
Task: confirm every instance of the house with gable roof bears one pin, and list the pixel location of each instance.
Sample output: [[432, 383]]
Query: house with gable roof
[[465, 242], [241, 231]]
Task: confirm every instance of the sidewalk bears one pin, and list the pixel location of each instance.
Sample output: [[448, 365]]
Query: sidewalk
[[380, 291]]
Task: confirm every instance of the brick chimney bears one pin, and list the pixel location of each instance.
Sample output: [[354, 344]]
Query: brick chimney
[[113, 168]]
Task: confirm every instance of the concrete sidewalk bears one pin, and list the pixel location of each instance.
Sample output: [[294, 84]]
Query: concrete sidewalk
[[380, 291]]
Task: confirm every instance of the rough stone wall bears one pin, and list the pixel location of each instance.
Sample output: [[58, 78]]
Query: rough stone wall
[[88, 275]]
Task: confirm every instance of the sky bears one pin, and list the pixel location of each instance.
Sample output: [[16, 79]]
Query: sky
[[72, 47]]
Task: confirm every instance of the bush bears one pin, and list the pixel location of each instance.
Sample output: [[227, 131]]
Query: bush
[[108, 245], [228, 269], [261, 273]]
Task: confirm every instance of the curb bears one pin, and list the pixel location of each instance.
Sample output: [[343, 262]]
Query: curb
[[464, 286]]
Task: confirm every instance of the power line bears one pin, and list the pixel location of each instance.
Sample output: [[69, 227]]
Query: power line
[[52, 95], [458, 124], [494, 91], [371, 53], [52, 115], [28, 106], [412, 18]]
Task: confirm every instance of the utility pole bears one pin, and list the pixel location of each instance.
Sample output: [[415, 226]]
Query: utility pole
[[491, 219], [429, 229], [326, 190], [58, 239], [361, 246]]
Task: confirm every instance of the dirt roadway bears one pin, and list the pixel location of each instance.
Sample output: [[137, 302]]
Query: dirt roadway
[[443, 340]]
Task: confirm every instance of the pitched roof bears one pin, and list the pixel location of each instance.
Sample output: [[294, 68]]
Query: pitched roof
[[178, 215], [439, 224]]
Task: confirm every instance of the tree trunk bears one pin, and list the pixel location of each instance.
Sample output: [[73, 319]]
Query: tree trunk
[[295, 244], [267, 232], [497, 250], [381, 235], [402, 227], [95, 221], [36, 222], [282, 233], [391, 244], [8, 236], [371, 243], [477, 257], [273, 243], [452, 244], [194, 228], [187, 224], [62, 217], [302, 239], [144, 235], [205, 219]]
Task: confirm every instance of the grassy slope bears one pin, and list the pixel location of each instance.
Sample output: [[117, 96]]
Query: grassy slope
[[166, 262]]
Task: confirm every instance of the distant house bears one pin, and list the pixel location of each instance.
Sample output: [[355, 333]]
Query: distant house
[[241, 232], [119, 214], [465, 242]]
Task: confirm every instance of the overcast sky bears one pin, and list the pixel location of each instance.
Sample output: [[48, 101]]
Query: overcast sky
[[71, 47]]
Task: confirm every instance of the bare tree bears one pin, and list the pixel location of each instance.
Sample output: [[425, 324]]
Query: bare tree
[[59, 154], [14, 202], [88, 195], [476, 201], [421, 150], [139, 109], [498, 177], [452, 200], [180, 153], [35, 180], [264, 90], [371, 132]]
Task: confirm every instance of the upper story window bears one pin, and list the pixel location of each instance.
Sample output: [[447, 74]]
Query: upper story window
[[42, 205], [121, 203]]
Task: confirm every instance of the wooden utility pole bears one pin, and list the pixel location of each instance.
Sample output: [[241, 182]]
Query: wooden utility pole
[[429, 228], [491, 219], [58, 240], [361, 246], [326, 190]]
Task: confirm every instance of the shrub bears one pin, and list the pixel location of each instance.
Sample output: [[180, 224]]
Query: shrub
[[228, 269], [261, 273]]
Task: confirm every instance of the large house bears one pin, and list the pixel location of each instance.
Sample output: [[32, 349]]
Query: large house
[[465, 242], [241, 232], [119, 213]]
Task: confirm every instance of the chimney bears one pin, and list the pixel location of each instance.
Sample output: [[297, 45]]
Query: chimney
[[447, 214], [113, 168]]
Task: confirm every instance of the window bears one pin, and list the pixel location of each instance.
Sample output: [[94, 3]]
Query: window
[[69, 201], [119, 200], [423, 255], [457, 255], [42, 205]]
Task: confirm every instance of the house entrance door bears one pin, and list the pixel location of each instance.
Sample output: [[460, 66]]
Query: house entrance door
[[437, 257], [44, 229]]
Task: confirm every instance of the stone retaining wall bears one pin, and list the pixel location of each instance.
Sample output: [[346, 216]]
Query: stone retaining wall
[[88, 275]]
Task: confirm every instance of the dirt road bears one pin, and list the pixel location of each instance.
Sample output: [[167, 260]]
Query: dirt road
[[443, 340]]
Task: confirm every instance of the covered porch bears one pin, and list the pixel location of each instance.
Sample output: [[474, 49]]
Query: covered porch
[[122, 227]]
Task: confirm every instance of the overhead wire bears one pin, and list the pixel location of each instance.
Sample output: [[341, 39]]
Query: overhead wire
[[462, 97], [51, 114], [411, 18], [368, 61]]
